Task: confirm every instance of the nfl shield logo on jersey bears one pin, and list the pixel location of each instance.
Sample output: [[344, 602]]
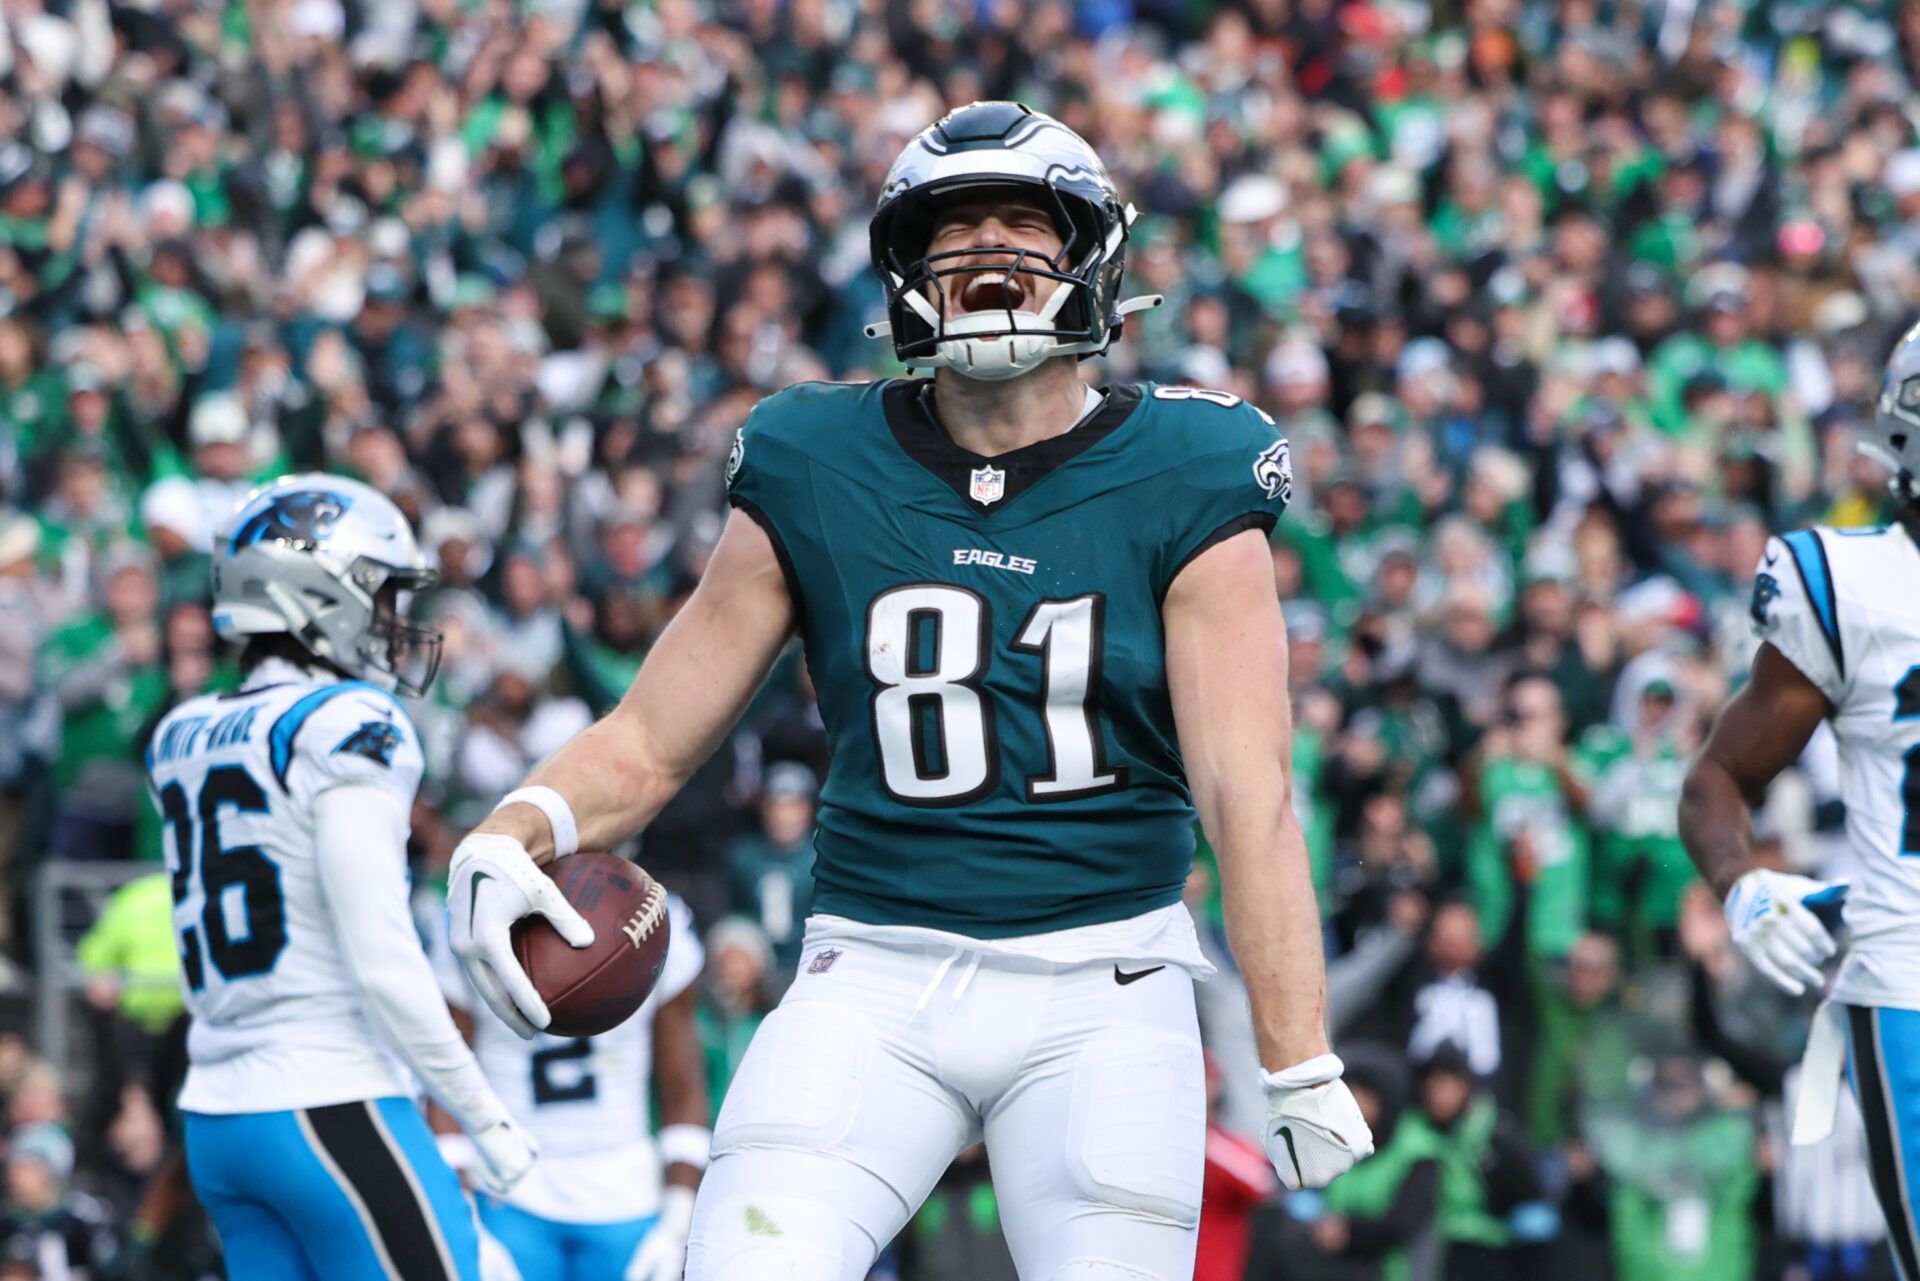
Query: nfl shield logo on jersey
[[989, 483], [823, 961]]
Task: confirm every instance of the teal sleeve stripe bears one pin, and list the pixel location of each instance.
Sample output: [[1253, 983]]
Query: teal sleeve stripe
[[1810, 558], [287, 728]]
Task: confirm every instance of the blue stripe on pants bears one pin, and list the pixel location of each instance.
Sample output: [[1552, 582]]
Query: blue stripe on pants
[[1883, 1062], [287, 1212], [546, 1250]]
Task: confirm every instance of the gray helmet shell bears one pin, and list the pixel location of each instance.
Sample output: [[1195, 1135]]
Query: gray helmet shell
[[309, 555], [1893, 441]]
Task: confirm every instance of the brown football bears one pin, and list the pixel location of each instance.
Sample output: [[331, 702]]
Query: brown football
[[594, 989]]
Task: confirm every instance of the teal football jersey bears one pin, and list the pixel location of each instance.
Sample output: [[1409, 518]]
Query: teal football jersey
[[985, 638]]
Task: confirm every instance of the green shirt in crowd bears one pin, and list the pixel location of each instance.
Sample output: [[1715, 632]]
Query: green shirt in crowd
[[1682, 1196], [108, 726], [1519, 797], [1640, 867]]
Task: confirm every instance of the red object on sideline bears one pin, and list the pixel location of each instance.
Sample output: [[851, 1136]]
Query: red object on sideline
[[1239, 1178]]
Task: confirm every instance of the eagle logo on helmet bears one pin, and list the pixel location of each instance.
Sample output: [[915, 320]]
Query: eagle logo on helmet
[[301, 520]]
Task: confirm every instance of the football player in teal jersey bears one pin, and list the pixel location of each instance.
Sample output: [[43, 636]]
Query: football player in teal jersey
[[1043, 626]]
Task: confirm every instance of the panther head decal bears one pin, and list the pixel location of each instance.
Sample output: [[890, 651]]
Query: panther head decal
[[1765, 592], [302, 519], [375, 740]]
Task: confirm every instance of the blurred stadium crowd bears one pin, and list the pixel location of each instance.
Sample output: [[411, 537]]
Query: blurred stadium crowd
[[1562, 303]]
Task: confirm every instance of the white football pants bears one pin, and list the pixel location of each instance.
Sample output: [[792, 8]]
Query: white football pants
[[878, 1070]]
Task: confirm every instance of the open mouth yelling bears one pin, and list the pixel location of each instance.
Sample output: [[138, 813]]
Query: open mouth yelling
[[995, 291]]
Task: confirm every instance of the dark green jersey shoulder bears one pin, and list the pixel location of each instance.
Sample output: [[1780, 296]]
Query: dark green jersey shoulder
[[986, 641]]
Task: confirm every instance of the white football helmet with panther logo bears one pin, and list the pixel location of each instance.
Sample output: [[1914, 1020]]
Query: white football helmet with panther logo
[[324, 560]]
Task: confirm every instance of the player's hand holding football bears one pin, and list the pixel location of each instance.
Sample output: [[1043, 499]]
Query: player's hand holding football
[[1315, 1132], [492, 883], [506, 1153], [1771, 915]]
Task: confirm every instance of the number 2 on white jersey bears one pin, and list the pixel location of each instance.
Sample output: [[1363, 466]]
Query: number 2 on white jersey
[[928, 648]]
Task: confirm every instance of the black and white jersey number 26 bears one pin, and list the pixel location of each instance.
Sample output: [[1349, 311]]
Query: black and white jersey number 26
[[928, 649]]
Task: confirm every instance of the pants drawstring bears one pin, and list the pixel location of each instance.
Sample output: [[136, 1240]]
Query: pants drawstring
[[933, 985], [940, 973], [966, 977]]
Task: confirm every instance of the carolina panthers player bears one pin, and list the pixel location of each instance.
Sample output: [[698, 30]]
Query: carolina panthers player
[[1042, 622], [605, 1202], [288, 804], [1841, 628]]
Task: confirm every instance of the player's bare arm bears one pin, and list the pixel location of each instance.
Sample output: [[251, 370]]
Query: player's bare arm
[[680, 1073], [1227, 673], [1762, 731], [615, 776]]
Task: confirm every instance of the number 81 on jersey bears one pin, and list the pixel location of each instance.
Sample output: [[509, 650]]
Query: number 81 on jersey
[[928, 648]]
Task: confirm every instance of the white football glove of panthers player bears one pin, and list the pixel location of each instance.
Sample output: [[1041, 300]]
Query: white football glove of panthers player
[[1315, 1132], [492, 883], [1773, 924], [506, 1153], [662, 1255]]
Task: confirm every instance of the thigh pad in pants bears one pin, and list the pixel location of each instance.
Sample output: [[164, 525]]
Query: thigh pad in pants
[[1137, 1130], [803, 1080]]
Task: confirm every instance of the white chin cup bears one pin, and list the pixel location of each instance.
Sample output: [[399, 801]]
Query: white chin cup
[[979, 344], [995, 355]]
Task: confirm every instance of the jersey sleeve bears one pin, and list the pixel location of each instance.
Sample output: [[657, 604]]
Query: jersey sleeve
[[347, 734], [1239, 477], [1796, 609], [764, 473]]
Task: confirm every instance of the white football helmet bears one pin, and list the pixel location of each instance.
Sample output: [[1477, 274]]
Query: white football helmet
[[325, 559], [1894, 439], [975, 152]]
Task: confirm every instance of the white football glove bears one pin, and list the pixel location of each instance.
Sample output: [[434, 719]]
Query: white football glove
[[1770, 914], [492, 883], [662, 1255], [1315, 1132], [506, 1153]]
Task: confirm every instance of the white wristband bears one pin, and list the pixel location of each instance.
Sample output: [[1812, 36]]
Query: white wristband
[[1315, 1071], [566, 835], [685, 1144]]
